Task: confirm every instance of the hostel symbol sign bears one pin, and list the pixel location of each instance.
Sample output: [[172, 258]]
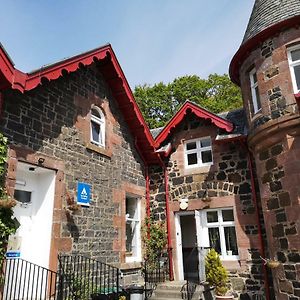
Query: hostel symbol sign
[[83, 193]]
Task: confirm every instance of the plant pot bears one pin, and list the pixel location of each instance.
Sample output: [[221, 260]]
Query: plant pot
[[224, 297], [272, 264]]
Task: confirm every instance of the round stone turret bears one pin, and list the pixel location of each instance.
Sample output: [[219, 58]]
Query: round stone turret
[[267, 68]]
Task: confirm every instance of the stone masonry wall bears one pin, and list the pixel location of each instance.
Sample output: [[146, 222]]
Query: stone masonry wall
[[52, 121], [280, 168]]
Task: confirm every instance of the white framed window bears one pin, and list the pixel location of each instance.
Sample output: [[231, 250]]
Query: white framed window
[[133, 229], [198, 153], [254, 91], [218, 231], [97, 126], [294, 63]]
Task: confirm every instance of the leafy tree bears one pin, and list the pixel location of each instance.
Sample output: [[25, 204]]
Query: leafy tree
[[160, 102]]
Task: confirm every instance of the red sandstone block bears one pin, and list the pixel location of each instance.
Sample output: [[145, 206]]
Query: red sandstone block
[[65, 244]]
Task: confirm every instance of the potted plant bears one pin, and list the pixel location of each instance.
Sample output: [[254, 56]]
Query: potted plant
[[216, 275]]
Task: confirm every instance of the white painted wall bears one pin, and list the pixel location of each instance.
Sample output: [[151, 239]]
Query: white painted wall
[[36, 218]]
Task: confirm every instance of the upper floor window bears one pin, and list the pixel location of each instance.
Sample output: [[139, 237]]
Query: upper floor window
[[294, 62], [198, 153], [97, 126], [133, 229], [254, 92]]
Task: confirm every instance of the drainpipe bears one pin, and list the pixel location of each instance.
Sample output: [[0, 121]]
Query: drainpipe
[[170, 254], [253, 187]]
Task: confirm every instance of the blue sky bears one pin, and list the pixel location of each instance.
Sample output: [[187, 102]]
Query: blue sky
[[154, 40]]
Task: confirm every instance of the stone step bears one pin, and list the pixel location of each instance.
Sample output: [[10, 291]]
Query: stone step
[[172, 290]]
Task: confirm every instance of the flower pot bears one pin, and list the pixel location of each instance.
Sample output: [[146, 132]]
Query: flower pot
[[224, 297], [272, 264]]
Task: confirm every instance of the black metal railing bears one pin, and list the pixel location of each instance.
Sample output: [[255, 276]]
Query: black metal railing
[[85, 278], [155, 273], [25, 280], [189, 288]]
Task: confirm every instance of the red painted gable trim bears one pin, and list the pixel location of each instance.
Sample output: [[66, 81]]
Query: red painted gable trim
[[113, 74], [254, 42], [199, 112]]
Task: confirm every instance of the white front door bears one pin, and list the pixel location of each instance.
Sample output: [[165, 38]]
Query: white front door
[[34, 192], [202, 243]]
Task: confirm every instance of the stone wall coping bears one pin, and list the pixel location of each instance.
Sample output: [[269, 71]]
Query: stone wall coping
[[265, 133]]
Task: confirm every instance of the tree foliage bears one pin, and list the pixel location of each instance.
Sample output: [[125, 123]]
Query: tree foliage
[[160, 102]]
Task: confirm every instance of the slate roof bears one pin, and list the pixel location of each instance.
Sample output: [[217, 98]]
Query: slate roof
[[266, 13], [238, 118]]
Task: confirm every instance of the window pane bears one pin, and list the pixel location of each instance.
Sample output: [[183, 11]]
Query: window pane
[[214, 239], [212, 216], [230, 239], [190, 146], [96, 132], [206, 156], [131, 206], [227, 215], [295, 55], [96, 113], [192, 159], [205, 143], [297, 75], [257, 98], [254, 78], [129, 236]]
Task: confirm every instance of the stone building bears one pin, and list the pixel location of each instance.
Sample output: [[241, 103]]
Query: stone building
[[228, 181], [75, 133]]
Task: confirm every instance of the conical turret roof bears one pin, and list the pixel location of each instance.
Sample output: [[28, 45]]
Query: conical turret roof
[[268, 17], [266, 13]]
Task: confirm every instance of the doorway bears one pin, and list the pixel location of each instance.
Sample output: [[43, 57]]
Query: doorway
[[192, 245], [34, 192], [187, 250]]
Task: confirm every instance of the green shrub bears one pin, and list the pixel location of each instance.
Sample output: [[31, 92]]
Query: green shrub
[[8, 225], [154, 238], [216, 274]]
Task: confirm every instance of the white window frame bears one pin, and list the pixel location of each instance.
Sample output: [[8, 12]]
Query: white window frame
[[219, 224], [101, 122], [293, 64], [198, 150], [136, 222], [254, 86]]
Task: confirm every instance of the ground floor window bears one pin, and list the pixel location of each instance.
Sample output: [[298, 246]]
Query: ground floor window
[[218, 231], [133, 229]]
